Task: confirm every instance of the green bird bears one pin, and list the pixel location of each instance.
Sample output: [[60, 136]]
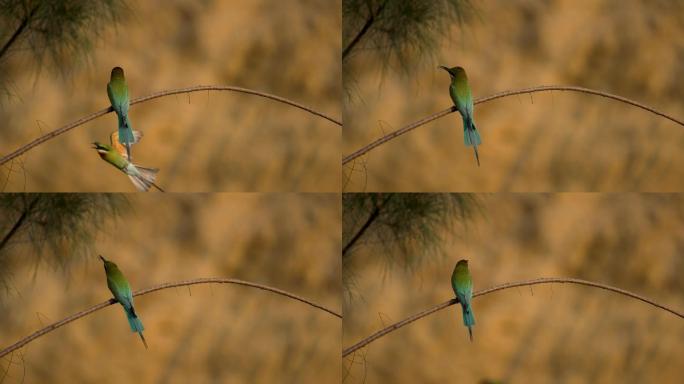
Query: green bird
[[462, 284], [117, 90], [121, 290], [143, 178], [463, 99]]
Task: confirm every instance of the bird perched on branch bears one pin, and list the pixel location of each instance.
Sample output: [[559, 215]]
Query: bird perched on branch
[[462, 284], [117, 90], [459, 90], [115, 154], [121, 290]]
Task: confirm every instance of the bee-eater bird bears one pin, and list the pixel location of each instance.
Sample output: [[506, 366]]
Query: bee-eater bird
[[121, 290], [462, 284], [143, 178], [459, 90], [117, 90]]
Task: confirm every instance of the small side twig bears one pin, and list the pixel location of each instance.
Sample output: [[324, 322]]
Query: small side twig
[[371, 218], [20, 29], [543, 280], [198, 88], [208, 280], [543, 88], [366, 27]]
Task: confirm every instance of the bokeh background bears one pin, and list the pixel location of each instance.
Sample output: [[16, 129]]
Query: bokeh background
[[205, 141], [204, 334], [547, 333], [558, 141]]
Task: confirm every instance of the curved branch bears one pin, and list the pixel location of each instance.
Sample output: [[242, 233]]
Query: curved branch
[[543, 280], [198, 88], [543, 88], [209, 280]]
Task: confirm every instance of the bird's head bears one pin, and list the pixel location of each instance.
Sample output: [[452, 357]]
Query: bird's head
[[101, 149], [453, 71], [463, 263], [117, 72], [108, 265]]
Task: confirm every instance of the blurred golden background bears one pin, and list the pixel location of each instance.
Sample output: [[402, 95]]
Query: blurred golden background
[[205, 141], [548, 333], [548, 141], [204, 334]]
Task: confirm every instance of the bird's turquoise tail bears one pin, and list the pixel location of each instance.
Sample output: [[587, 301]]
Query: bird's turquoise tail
[[134, 321], [126, 136], [470, 135], [125, 131], [468, 319], [136, 324]]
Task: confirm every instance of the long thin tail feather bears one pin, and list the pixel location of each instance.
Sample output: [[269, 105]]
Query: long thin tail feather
[[135, 324], [145, 342], [468, 318], [470, 136]]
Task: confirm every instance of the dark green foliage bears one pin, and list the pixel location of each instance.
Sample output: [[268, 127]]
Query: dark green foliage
[[401, 228], [52, 228], [54, 31], [399, 32]]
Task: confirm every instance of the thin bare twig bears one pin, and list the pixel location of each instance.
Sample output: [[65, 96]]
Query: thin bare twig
[[208, 280], [543, 88], [198, 88], [543, 280]]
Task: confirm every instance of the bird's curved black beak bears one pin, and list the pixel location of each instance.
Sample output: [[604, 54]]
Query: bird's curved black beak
[[95, 146], [103, 259], [446, 69]]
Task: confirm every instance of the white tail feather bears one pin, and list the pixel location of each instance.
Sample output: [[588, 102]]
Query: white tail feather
[[143, 178]]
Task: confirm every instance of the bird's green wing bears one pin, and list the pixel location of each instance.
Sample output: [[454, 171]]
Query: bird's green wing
[[116, 159], [461, 280], [454, 95], [463, 96], [120, 288], [118, 95]]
